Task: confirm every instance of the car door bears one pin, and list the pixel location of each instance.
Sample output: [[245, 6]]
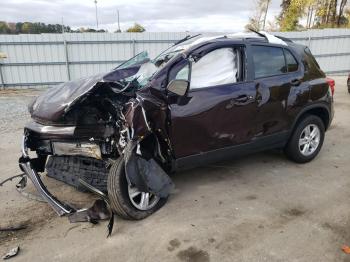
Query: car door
[[276, 78], [219, 109]]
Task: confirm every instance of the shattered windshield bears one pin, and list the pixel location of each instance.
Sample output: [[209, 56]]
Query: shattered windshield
[[137, 59], [150, 67]]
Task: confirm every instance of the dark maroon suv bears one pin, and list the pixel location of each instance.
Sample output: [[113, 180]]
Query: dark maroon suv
[[203, 100]]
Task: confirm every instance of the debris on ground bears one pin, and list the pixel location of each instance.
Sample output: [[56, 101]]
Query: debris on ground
[[10, 179], [20, 189], [346, 249], [17, 227], [98, 211], [13, 252], [105, 199]]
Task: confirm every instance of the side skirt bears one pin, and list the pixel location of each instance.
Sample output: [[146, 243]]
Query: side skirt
[[260, 144]]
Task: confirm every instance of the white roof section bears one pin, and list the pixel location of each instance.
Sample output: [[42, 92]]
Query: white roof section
[[270, 38], [273, 39]]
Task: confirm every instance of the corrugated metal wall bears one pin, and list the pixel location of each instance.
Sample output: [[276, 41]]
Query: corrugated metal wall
[[47, 59]]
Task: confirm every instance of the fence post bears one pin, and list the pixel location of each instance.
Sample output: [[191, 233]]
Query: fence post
[[67, 59], [134, 47], [309, 39], [2, 78]]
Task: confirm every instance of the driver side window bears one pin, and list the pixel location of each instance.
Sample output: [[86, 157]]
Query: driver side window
[[219, 67]]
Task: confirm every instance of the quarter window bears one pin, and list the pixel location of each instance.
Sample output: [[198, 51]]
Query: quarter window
[[183, 73], [292, 64], [268, 61]]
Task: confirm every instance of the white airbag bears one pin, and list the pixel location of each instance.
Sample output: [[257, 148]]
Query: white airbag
[[215, 68]]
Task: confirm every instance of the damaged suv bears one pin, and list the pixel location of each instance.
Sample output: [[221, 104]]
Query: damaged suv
[[202, 100]]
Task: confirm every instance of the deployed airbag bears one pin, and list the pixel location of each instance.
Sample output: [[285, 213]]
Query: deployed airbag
[[215, 68]]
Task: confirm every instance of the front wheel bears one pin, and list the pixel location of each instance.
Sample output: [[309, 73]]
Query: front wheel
[[306, 140], [125, 199]]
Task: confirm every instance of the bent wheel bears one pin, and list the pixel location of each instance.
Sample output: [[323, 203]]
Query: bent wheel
[[126, 200]]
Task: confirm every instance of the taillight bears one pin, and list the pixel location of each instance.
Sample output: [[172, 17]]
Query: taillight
[[331, 84]]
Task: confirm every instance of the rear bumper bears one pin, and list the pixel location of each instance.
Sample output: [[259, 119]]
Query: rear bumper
[[25, 163]]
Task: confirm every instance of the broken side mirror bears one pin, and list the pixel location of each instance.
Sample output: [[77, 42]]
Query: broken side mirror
[[178, 87]]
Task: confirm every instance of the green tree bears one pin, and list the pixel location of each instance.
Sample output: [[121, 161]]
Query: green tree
[[291, 16], [4, 29], [136, 28], [27, 28]]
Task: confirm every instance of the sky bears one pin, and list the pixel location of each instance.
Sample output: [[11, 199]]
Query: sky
[[154, 15]]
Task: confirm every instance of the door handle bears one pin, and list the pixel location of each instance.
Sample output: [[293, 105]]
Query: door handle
[[239, 101], [295, 82], [243, 99]]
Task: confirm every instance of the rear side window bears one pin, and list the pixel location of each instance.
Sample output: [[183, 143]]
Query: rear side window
[[268, 61], [292, 64], [311, 57]]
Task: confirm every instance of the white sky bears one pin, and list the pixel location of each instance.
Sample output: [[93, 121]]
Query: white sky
[[154, 15]]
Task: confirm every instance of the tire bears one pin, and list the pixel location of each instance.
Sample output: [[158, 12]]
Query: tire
[[120, 202], [349, 85], [293, 150], [69, 169]]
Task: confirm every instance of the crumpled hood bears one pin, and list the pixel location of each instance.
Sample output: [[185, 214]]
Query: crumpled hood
[[55, 102]]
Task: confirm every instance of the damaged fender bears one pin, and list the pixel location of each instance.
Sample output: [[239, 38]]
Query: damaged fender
[[142, 170]]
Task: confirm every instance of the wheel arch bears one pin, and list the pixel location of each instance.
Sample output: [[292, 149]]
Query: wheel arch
[[320, 110]]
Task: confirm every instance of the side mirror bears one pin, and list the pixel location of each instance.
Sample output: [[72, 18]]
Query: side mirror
[[178, 87]]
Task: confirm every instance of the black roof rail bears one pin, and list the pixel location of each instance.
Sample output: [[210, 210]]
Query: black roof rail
[[285, 39], [257, 32]]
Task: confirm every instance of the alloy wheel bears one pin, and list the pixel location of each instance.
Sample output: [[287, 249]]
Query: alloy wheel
[[142, 200], [309, 140]]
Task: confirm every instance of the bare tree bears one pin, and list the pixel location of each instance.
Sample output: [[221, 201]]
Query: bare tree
[[258, 20], [341, 11]]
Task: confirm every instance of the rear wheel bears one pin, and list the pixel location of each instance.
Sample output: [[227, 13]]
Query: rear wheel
[[126, 200], [306, 140], [349, 85]]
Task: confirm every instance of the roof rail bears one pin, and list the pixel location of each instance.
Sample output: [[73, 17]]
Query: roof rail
[[285, 39], [270, 38]]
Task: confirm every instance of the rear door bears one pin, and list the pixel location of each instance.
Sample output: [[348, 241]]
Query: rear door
[[219, 109], [277, 78]]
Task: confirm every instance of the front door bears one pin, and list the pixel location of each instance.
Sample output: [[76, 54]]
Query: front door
[[219, 109]]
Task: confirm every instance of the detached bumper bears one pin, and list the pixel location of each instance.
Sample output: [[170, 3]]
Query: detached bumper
[[25, 163]]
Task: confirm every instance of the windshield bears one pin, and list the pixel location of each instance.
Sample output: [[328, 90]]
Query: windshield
[[150, 67], [137, 59]]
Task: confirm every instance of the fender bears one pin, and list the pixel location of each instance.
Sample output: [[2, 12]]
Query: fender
[[141, 168], [319, 105]]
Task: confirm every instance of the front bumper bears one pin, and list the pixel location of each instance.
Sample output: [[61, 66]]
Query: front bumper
[[25, 163]]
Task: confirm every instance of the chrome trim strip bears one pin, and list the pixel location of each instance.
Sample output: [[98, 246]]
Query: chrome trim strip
[[24, 162], [60, 208], [53, 130]]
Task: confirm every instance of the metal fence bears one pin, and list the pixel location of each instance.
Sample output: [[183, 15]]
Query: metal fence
[[49, 59]]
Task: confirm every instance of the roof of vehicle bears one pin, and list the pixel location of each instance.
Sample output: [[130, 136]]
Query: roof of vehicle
[[251, 37]]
